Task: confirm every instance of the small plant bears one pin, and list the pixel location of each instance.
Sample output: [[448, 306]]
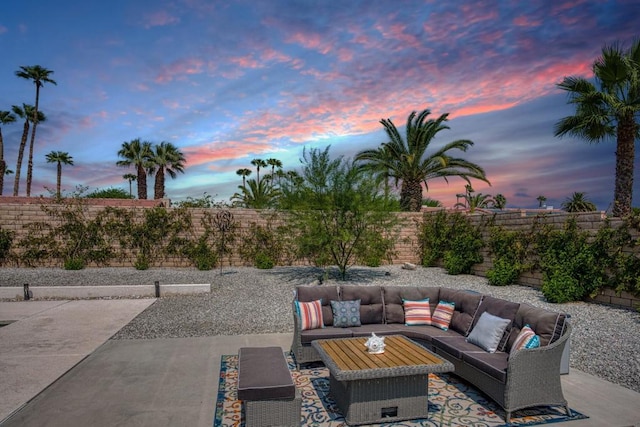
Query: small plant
[[202, 254], [6, 241], [264, 261], [510, 251], [74, 264], [141, 263]]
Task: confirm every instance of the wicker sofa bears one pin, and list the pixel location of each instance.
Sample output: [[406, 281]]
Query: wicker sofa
[[515, 379]]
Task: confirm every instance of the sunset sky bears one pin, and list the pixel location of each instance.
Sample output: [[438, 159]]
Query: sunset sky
[[231, 81]]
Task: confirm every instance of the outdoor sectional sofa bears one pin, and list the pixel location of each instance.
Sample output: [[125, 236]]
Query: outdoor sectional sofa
[[515, 379]]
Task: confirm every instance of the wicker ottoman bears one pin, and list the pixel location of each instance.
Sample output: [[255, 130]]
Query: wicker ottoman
[[266, 388]]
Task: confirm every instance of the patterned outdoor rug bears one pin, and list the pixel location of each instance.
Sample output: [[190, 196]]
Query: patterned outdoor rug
[[452, 402]]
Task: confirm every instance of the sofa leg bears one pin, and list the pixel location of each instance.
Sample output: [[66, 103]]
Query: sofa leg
[[507, 417], [569, 413]]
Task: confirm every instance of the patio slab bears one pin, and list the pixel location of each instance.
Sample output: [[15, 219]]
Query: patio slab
[[169, 382]]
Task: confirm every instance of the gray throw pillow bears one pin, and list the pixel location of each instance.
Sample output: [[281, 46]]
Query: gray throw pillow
[[346, 313], [488, 332]]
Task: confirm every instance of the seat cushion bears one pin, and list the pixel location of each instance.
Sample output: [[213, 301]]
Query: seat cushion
[[306, 337], [263, 374], [422, 332], [324, 293], [493, 364], [454, 345], [371, 310], [378, 329]]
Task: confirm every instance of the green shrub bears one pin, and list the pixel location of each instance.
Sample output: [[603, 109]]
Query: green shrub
[[74, 264], [6, 241], [504, 272], [264, 261], [142, 262]]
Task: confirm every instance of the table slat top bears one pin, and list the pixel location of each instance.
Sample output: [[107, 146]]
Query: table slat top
[[349, 358]]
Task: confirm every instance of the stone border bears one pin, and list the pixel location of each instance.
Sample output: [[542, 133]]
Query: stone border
[[112, 291]]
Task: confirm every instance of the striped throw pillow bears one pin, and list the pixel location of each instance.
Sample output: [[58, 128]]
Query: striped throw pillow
[[417, 312], [443, 314], [527, 338], [310, 314]]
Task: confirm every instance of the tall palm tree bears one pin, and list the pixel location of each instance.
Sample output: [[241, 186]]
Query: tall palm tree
[[578, 202], [59, 157], [26, 113], [244, 173], [166, 158], [274, 163], [130, 177], [609, 108], [137, 154], [258, 163], [39, 75], [407, 160], [5, 118], [476, 201], [541, 199]]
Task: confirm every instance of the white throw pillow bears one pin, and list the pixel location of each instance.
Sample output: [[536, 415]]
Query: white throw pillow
[[488, 332]]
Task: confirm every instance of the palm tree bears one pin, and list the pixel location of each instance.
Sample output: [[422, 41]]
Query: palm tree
[[5, 118], [406, 159], [136, 153], [26, 113], [431, 203], [59, 157], [476, 201], [258, 163], [39, 75], [256, 195], [541, 199], [165, 158], [274, 163], [499, 201], [244, 173], [578, 202], [609, 108], [130, 177]]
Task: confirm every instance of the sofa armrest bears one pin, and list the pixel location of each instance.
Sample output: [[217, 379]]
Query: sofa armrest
[[531, 371]]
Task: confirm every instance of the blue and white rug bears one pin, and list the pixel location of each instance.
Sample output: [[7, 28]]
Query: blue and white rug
[[452, 402]]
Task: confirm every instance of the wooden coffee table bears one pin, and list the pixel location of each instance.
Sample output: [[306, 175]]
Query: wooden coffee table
[[377, 388]]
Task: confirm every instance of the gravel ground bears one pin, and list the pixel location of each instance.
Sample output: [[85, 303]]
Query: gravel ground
[[605, 340]]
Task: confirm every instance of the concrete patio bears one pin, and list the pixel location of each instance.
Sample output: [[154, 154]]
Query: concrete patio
[[59, 368]]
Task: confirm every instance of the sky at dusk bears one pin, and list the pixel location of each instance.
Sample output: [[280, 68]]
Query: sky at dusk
[[231, 81]]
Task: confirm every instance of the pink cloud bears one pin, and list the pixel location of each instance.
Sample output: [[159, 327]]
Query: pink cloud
[[311, 41], [180, 69], [159, 19], [227, 150], [525, 21], [246, 61]]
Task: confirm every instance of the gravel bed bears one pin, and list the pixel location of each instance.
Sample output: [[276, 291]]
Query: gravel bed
[[605, 341]]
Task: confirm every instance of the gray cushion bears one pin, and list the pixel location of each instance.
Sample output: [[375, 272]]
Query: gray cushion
[[548, 325], [378, 329], [371, 310], [422, 332], [346, 313], [324, 293], [466, 304], [308, 336], [500, 308], [393, 296], [263, 374], [454, 345], [488, 332], [493, 364]]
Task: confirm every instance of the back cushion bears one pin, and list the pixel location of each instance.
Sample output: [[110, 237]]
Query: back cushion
[[393, 296], [370, 297], [466, 305], [500, 308], [324, 293], [548, 325]]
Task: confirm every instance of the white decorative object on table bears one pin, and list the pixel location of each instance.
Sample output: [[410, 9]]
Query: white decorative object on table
[[375, 344]]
